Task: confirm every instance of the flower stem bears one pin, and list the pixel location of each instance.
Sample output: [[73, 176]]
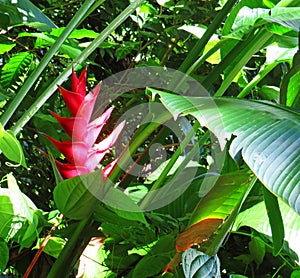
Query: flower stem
[[72, 250]]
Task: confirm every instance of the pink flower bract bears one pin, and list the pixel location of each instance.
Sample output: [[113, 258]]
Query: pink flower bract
[[82, 153]]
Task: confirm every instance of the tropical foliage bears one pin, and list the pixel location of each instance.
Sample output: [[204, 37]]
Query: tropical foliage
[[182, 160]]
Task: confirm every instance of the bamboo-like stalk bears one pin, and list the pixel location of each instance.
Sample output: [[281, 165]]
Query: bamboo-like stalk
[[212, 28], [245, 53], [13, 106], [81, 58]]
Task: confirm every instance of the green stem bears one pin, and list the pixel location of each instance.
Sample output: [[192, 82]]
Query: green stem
[[159, 182], [286, 79], [257, 42], [205, 56], [257, 79], [71, 251], [282, 256], [138, 140], [44, 62], [228, 60], [198, 48], [82, 57], [192, 61], [175, 156]]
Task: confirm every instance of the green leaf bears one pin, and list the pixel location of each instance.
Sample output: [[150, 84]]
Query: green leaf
[[24, 11], [73, 196], [196, 264], [267, 135], [6, 47], [293, 93], [123, 205], [4, 251], [4, 20], [15, 69], [76, 198], [215, 212], [275, 220], [257, 218], [295, 274], [257, 249], [222, 198], [46, 40], [23, 207], [11, 147], [20, 202], [285, 16], [150, 266], [17, 215], [105, 214], [157, 258], [6, 213], [54, 246], [247, 18], [76, 34]]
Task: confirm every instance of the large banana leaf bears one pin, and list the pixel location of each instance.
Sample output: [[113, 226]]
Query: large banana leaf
[[265, 134]]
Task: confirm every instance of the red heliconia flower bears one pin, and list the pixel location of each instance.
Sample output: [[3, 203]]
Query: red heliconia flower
[[82, 152]]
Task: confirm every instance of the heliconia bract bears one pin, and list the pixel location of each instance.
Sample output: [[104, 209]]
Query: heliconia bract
[[82, 153]]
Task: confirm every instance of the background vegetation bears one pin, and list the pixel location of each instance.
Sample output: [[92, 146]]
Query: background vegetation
[[245, 54]]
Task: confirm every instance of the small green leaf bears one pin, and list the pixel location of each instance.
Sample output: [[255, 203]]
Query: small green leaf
[[6, 212], [11, 147], [123, 206], [15, 70], [257, 250], [150, 266], [295, 274], [19, 200], [4, 251], [73, 196], [197, 264], [76, 34], [54, 246], [6, 47], [244, 258]]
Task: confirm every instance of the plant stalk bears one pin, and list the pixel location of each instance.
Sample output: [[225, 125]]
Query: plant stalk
[[72, 250], [246, 52], [44, 62], [74, 247], [66, 73], [138, 140], [212, 28]]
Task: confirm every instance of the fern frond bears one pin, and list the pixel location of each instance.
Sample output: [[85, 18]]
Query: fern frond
[[15, 71]]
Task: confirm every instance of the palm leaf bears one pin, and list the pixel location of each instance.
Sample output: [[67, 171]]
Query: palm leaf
[[266, 135], [14, 71]]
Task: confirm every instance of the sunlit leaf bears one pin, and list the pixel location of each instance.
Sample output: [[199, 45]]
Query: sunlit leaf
[[11, 147], [218, 208], [198, 233], [15, 69], [267, 136], [256, 217]]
